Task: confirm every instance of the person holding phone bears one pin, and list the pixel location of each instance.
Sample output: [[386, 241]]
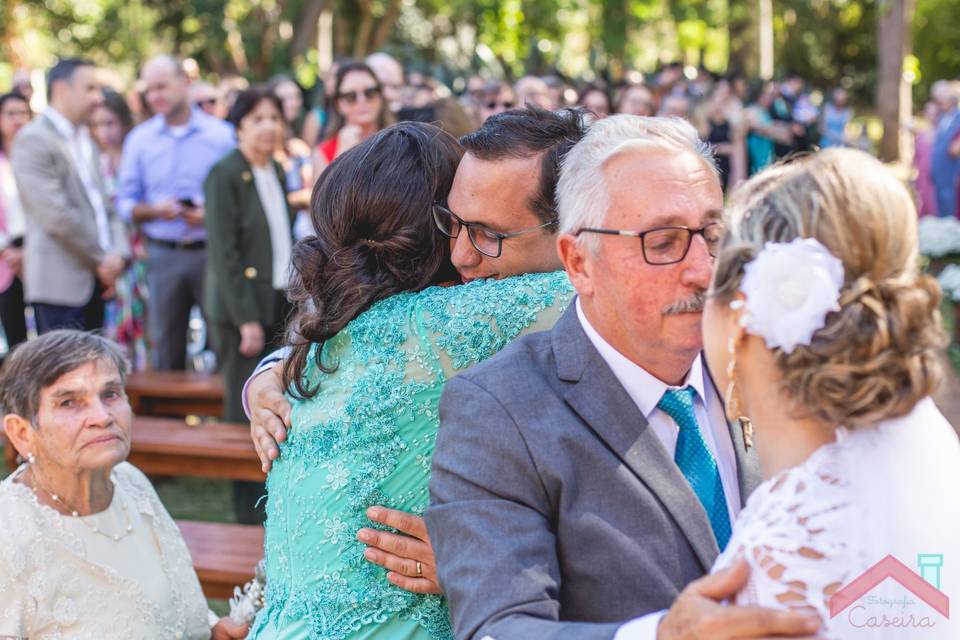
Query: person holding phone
[[160, 187]]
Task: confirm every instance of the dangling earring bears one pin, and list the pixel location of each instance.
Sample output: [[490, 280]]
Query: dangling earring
[[31, 459], [731, 403]]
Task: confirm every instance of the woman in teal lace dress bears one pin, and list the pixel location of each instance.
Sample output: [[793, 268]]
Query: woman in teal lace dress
[[376, 343]]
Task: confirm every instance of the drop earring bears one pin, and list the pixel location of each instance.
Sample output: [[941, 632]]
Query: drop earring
[[31, 459], [731, 403]]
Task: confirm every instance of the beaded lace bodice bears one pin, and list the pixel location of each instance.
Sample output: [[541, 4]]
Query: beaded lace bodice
[[367, 439]]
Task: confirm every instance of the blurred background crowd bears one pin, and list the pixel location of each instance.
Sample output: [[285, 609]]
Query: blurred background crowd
[[158, 125]]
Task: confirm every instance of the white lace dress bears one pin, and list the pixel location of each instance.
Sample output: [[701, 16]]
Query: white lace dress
[[58, 579], [893, 489]]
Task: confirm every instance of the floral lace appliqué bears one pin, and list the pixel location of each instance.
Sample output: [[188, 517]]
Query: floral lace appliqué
[[367, 439]]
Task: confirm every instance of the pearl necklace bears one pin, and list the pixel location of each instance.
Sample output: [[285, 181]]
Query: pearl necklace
[[93, 528]]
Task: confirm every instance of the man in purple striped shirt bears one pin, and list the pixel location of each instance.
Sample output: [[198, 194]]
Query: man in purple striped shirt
[[165, 161]]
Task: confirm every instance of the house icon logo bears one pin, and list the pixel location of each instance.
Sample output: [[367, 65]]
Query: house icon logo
[[925, 586]]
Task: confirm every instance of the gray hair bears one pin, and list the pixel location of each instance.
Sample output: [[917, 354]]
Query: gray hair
[[582, 197], [37, 364]]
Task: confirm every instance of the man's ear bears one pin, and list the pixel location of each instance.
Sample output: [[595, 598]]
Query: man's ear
[[573, 255], [20, 434]]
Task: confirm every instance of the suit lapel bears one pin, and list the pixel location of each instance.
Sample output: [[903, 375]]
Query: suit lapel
[[72, 163], [604, 405]]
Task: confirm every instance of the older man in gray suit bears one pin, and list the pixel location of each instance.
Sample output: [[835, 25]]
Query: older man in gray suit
[[75, 246], [585, 478]]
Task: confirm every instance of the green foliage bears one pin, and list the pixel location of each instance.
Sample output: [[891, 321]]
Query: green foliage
[[935, 45], [829, 42]]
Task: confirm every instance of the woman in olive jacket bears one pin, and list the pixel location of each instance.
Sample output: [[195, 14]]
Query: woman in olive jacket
[[249, 240]]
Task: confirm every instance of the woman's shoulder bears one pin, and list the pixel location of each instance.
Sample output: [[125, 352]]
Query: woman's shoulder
[[130, 474], [231, 164], [21, 516], [500, 292]]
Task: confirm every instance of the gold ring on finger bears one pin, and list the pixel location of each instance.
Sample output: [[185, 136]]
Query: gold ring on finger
[[419, 569]]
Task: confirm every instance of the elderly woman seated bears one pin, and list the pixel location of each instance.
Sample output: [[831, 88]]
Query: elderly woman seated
[[88, 550]]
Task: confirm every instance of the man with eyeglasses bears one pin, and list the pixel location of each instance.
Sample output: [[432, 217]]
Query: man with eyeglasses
[[585, 478], [501, 219], [160, 187], [512, 559]]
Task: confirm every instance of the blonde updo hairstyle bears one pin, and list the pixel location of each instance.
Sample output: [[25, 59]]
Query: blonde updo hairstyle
[[877, 356]]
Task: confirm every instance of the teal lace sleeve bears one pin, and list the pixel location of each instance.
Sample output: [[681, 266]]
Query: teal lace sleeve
[[367, 439], [479, 319]]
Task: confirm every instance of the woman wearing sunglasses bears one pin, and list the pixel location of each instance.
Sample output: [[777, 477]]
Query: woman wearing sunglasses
[[358, 109]]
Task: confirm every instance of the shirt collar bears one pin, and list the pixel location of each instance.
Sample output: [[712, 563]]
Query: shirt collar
[[60, 122], [645, 389], [190, 125]]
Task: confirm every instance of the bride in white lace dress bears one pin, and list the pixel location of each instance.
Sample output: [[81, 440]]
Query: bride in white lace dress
[[824, 333]]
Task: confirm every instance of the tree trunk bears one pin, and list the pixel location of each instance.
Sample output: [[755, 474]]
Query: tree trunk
[[10, 37], [615, 23], [894, 18], [765, 37], [385, 28], [305, 27], [361, 42], [742, 34]]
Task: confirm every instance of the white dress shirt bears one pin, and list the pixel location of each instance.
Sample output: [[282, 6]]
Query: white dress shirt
[[80, 144], [16, 225], [275, 207], [646, 391]]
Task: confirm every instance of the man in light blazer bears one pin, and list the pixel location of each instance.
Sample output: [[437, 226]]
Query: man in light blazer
[[75, 247], [585, 478]]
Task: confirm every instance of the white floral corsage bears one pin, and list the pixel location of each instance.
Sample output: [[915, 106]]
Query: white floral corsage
[[790, 288]]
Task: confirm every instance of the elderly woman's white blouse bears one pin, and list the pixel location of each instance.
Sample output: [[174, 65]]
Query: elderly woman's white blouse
[[59, 579]]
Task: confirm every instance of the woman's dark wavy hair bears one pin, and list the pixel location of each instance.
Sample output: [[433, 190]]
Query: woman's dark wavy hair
[[375, 236]]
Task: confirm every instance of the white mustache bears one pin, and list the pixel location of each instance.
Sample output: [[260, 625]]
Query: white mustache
[[693, 304]]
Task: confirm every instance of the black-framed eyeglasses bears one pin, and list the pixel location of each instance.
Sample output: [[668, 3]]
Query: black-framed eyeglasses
[[484, 239], [668, 245], [352, 97]]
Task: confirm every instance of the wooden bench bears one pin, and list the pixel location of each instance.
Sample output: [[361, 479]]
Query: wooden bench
[[175, 393], [172, 447], [224, 555]]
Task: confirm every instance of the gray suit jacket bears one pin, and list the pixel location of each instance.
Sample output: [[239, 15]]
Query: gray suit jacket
[[61, 249], [556, 512]]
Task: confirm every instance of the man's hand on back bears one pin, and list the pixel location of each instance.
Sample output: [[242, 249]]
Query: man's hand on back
[[408, 555], [697, 613], [269, 414]]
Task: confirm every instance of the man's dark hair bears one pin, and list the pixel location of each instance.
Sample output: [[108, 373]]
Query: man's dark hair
[[64, 70], [523, 133], [248, 100]]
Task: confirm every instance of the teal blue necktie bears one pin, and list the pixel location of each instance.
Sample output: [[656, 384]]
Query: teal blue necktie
[[696, 462]]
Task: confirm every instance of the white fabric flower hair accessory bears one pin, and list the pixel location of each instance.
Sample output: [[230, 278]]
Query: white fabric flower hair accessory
[[790, 288]]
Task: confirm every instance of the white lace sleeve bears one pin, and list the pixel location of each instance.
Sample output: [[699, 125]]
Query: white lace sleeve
[[15, 603], [795, 533]]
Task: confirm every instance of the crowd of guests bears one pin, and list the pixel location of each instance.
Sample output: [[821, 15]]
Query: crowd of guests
[[532, 365], [154, 147], [937, 152]]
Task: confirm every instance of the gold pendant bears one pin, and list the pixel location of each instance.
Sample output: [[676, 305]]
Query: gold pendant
[[747, 428]]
